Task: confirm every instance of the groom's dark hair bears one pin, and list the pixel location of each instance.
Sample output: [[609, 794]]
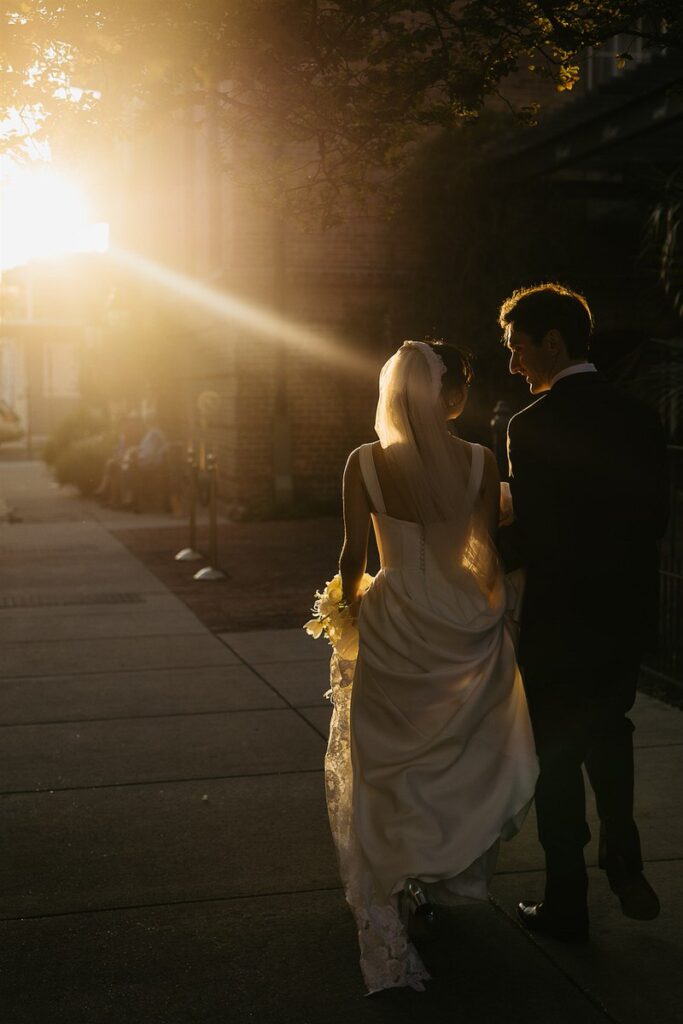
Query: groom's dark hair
[[545, 307]]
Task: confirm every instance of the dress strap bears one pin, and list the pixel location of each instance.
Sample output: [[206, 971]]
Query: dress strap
[[370, 478], [476, 473]]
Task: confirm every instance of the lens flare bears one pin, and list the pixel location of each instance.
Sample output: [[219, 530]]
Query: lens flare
[[255, 319], [44, 215]]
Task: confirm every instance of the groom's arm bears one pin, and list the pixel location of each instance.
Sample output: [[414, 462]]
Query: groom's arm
[[538, 505], [511, 542]]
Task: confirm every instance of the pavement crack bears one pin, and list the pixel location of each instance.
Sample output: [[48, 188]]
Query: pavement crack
[[231, 898], [161, 782], [592, 999], [143, 718]]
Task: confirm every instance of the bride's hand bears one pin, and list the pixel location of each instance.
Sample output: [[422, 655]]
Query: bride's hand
[[507, 512], [354, 609]]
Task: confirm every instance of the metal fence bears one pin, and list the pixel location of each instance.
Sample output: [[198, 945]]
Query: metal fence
[[667, 663]]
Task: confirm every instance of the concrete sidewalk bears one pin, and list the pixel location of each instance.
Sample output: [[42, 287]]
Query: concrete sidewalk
[[166, 855]]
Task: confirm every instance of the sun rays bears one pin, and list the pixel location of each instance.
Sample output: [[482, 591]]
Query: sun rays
[[257, 320]]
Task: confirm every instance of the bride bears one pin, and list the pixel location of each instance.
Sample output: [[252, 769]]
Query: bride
[[431, 757]]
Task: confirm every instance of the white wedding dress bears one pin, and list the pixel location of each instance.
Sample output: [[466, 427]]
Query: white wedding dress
[[431, 758]]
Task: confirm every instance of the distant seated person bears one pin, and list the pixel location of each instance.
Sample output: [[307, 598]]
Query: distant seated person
[[112, 488], [149, 469]]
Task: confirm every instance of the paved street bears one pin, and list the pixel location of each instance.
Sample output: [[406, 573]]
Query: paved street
[[166, 856]]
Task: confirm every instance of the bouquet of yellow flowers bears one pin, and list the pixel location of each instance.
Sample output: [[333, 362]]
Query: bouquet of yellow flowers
[[332, 618]]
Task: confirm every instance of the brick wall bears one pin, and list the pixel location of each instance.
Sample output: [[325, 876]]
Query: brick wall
[[267, 391], [285, 410]]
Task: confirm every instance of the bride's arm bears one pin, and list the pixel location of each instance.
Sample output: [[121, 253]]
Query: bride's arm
[[354, 553]]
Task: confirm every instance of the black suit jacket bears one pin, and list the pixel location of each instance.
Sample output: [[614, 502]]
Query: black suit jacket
[[588, 482]]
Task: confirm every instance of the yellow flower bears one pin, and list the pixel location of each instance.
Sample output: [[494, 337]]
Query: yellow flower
[[333, 620], [325, 607]]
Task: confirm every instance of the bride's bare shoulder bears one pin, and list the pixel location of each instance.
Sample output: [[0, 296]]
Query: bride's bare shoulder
[[353, 459], [462, 447], [469, 445]]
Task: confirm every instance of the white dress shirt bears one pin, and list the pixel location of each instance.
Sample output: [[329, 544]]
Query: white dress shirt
[[576, 368]]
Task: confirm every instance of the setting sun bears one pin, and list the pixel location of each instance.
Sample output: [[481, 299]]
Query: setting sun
[[44, 215]]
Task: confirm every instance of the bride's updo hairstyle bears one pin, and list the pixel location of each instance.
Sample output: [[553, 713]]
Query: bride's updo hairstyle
[[458, 373]]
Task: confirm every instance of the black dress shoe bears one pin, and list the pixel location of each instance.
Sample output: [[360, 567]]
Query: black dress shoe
[[536, 918], [637, 897], [418, 914]]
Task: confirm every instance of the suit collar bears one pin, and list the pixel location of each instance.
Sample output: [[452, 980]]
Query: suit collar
[[585, 366], [574, 381]]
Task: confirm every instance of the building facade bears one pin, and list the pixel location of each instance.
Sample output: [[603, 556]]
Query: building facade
[[280, 412], [210, 262]]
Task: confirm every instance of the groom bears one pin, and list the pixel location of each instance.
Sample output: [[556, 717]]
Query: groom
[[588, 483]]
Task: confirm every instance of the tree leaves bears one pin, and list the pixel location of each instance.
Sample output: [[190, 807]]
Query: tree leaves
[[358, 82]]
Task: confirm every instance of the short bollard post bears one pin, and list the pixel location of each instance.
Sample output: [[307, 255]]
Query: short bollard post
[[211, 571], [190, 553]]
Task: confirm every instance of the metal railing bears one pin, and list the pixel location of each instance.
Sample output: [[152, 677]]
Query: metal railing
[[667, 663]]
